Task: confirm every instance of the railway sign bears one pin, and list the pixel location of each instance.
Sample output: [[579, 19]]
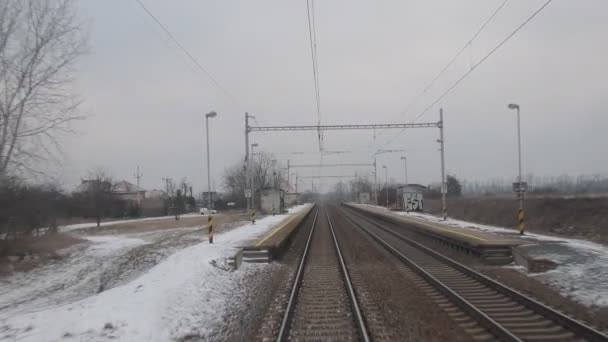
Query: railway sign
[[247, 193], [520, 186]]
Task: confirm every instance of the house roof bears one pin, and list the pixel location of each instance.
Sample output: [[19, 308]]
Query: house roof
[[124, 187]]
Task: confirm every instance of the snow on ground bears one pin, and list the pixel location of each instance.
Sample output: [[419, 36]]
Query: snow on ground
[[583, 265], [71, 227], [183, 295]]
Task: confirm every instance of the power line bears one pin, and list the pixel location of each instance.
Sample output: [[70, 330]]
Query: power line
[[482, 60], [447, 66], [192, 58], [443, 70], [312, 36], [473, 67]]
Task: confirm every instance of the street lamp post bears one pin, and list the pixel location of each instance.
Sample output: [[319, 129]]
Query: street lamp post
[[520, 189], [405, 164], [211, 114], [252, 178], [386, 183]]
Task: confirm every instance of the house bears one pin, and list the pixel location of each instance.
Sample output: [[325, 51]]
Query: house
[[122, 190], [128, 191]]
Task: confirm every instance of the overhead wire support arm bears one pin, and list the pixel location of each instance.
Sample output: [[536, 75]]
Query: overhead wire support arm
[[328, 165], [341, 127], [315, 177]]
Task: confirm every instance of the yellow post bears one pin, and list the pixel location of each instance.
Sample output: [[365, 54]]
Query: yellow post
[[253, 216], [522, 224], [210, 228]]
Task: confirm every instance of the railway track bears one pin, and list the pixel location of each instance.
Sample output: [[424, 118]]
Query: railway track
[[322, 303], [504, 313]]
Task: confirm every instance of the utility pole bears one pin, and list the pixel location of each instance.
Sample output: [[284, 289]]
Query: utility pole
[[444, 190], [288, 174], [167, 180], [138, 177], [404, 158]]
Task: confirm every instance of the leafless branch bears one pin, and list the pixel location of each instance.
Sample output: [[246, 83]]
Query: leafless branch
[[40, 41]]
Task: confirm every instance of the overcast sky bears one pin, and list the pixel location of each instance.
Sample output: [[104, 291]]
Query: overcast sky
[[146, 101]]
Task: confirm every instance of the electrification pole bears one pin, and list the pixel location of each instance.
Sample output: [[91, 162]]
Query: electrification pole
[[386, 183], [247, 171], [520, 186], [444, 190], [375, 182]]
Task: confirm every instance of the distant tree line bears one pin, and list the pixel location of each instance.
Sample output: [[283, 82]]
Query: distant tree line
[[564, 184]]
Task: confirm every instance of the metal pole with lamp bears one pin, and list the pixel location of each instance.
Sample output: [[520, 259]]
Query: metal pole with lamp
[[520, 187], [251, 173], [211, 114]]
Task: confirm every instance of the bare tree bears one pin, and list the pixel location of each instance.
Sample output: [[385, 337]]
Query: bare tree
[[40, 41], [96, 194], [265, 172]]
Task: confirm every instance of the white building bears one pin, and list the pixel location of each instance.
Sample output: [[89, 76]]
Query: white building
[[272, 201]]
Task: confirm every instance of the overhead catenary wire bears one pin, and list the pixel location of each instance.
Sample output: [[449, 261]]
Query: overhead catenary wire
[[473, 67], [444, 69], [453, 59], [312, 36], [190, 56]]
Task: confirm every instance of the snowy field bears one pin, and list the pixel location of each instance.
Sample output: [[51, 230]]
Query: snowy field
[[583, 265], [154, 286]]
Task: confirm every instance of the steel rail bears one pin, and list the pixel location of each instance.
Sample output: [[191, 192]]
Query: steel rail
[[484, 320], [291, 304], [361, 326], [578, 328]]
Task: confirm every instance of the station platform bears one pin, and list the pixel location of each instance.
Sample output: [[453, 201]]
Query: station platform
[[493, 248], [270, 245]]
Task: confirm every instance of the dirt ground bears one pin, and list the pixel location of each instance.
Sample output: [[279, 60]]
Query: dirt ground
[[162, 223], [26, 253], [582, 217]]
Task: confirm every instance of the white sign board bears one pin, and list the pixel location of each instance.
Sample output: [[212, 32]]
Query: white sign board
[[247, 193], [413, 201], [520, 186]]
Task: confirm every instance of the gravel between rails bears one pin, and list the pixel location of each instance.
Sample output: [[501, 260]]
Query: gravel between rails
[[394, 304], [323, 309], [275, 294]]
